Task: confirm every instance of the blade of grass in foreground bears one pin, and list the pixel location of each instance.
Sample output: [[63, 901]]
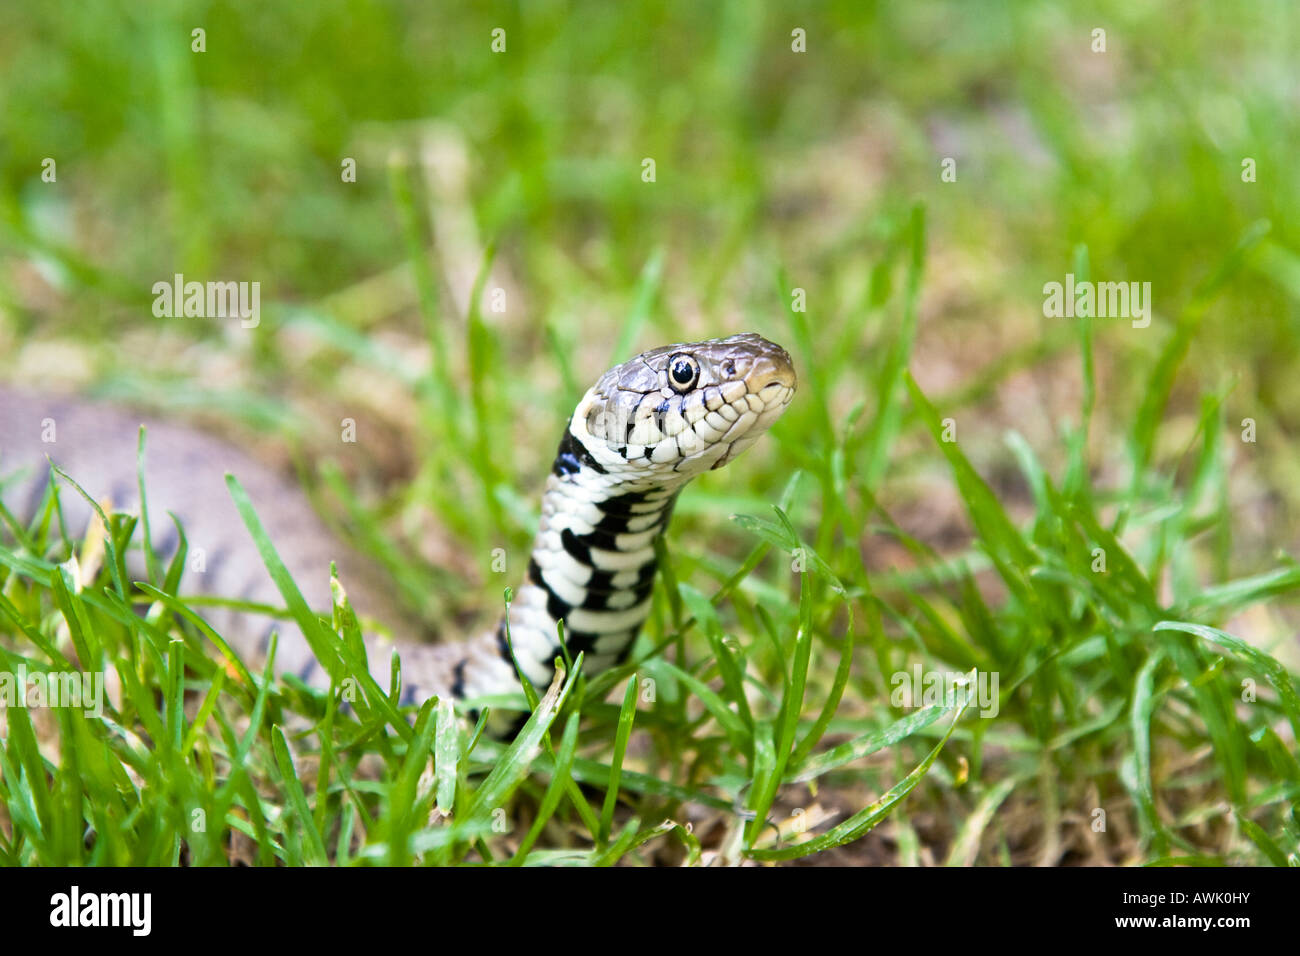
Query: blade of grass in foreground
[[1273, 671], [513, 765], [1136, 771], [766, 785], [403, 794], [559, 781], [967, 844], [321, 645], [335, 656], [447, 754], [868, 744], [625, 717], [866, 818], [315, 854]]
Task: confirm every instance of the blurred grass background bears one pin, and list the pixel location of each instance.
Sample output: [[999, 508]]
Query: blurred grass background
[[226, 164], [522, 171]]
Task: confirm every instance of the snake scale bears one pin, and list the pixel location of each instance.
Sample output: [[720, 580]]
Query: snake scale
[[636, 438]]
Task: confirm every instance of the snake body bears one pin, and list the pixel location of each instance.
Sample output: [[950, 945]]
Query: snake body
[[636, 438]]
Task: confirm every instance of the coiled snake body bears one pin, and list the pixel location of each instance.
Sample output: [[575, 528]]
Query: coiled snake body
[[640, 434]]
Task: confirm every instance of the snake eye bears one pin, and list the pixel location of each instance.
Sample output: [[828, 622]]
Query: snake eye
[[683, 371]]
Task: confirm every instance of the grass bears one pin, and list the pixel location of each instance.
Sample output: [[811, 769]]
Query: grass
[[1100, 538]]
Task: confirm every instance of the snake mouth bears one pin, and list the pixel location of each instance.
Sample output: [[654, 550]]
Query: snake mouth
[[771, 373], [777, 390], [774, 386]]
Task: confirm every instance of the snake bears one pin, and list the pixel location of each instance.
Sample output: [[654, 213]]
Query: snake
[[639, 435]]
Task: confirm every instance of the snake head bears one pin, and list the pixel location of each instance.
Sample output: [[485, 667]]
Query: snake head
[[683, 409]]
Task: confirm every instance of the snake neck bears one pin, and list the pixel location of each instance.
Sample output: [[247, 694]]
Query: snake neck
[[638, 436], [592, 564]]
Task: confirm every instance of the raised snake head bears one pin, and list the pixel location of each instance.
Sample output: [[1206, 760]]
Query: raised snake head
[[680, 410]]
